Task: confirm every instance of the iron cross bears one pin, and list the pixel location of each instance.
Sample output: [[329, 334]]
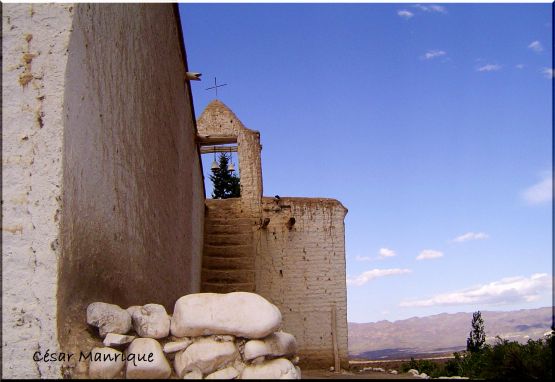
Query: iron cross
[[216, 86]]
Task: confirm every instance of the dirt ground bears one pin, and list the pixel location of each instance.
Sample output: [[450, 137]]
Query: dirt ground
[[324, 374]]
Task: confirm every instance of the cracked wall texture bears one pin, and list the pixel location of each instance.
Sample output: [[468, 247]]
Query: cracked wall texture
[[94, 104]]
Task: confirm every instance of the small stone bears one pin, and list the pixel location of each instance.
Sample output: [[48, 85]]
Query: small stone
[[194, 374], [393, 372], [114, 339], [228, 373], [241, 314], [280, 368], [206, 355], [151, 321], [332, 368], [254, 349], [106, 363], [108, 318], [149, 362], [175, 346], [279, 344]]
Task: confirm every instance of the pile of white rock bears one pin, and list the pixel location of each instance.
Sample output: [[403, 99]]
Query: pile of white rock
[[210, 335]]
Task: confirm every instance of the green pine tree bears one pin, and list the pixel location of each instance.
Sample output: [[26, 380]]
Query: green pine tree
[[226, 183], [477, 336]]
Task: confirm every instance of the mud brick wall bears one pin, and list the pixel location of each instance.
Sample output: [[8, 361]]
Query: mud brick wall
[[301, 269]]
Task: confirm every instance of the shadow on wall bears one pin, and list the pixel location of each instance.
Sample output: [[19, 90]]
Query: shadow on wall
[[132, 222]]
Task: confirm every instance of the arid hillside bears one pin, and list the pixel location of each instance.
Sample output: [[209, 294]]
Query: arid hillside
[[442, 333]]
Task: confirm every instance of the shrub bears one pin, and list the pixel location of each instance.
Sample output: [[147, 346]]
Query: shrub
[[508, 360]]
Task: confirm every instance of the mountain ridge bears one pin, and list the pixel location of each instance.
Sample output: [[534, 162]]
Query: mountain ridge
[[443, 333]]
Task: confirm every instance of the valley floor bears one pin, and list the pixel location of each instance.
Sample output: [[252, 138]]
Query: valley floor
[[324, 374]]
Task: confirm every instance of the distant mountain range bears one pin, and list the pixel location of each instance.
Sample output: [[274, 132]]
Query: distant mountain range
[[442, 333]]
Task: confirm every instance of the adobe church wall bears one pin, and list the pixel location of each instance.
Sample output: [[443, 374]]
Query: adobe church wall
[[133, 188], [35, 38], [302, 271], [102, 188]]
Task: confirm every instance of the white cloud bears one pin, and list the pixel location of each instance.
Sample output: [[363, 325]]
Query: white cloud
[[405, 14], [433, 54], [374, 274], [386, 252], [431, 8], [471, 236], [540, 192], [519, 66], [510, 290], [429, 254], [489, 68], [548, 72], [536, 46]]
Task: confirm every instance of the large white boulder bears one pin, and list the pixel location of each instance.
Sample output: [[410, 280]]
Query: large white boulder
[[280, 368], [132, 309], [148, 360], [279, 344], [205, 355], [241, 314], [108, 318], [106, 363], [151, 321], [195, 374], [227, 373]]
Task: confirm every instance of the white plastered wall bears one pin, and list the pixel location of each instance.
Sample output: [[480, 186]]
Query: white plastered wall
[[34, 47]]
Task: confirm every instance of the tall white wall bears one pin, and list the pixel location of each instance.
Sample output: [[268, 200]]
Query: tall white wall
[[34, 46]]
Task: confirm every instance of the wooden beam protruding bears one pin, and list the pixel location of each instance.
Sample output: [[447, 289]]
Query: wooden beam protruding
[[218, 149], [215, 139]]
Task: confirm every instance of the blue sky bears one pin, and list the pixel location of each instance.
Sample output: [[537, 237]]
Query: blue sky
[[431, 123]]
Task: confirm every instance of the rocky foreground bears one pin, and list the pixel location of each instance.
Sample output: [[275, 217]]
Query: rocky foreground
[[210, 336]]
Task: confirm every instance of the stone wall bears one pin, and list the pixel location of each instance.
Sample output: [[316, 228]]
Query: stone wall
[[102, 189], [301, 269]]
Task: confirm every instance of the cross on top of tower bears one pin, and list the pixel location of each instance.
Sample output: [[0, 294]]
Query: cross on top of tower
[[216, 86]]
